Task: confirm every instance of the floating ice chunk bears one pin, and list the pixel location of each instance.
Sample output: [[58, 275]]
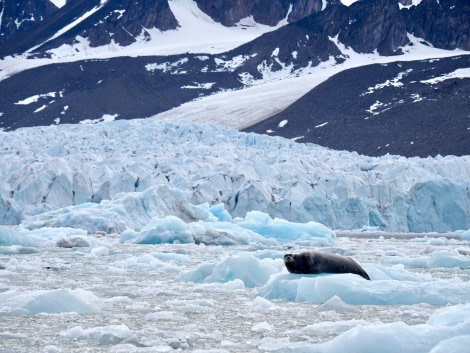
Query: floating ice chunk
[[395, 273], [245, 267], [336, 304], [285, 231], [119, 299], [14, 303], [464, 234], [231, 286], [105, 335], [170, 256], [262, 327], [221, 213], [100, 251], [146, 262], [15, 335], [48, 236], [51, 349], [192, 306], [448, 327], [166, 316], [454, 344], [11, 237], [18, 249], [131, 348], [329, 327], [352, 289], [23, 265], [169, 229], [261, 303], [445, 259], [129, 210]]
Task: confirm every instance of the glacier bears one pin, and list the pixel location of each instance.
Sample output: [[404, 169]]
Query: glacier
[[115, 176], [145, 236]]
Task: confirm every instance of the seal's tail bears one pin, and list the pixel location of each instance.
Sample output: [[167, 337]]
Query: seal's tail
[[361, 272], [365, 275]]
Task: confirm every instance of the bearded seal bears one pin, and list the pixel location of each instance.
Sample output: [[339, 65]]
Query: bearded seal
[[313, 262]]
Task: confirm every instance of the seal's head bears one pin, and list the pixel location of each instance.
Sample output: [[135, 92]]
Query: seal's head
[[289, 261]]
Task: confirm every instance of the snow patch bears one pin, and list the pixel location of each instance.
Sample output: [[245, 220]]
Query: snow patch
[[196, 85], [105, 117], [35, 98], [459, 73], [389, 83], [172, 68]]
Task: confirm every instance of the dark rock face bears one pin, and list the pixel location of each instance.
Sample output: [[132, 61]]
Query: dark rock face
[[374, 25], [268, 12], [44, 30], [125, 19], [123, 87], [118, 20], [444, 23], [20, 16], [121, 21]]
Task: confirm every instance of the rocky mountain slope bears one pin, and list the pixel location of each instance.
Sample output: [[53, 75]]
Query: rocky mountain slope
[[302, 37], [417, 108]]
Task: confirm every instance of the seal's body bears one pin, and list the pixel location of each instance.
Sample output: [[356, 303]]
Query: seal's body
[[313, 262]]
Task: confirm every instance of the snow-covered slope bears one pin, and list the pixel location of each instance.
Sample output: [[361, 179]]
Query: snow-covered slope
[[196, 33]]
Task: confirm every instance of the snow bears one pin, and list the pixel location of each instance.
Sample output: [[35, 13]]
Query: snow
[[283, 123], [396, 82], [35, 98], [459, 73], [58, 3], [105, 117], [413, 3]]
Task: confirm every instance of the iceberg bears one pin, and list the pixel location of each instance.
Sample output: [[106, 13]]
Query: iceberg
[[401, 288], [14, 303]]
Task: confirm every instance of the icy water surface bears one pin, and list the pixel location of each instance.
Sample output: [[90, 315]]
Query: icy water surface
[[160, 298]]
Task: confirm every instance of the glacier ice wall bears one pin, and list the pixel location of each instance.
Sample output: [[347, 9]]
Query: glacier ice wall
[[58, 168]]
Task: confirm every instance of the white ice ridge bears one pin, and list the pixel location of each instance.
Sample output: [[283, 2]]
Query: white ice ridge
[[96, 177]]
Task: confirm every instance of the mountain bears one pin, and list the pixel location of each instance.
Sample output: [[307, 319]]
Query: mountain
[[20, 17], [92, 60], [417, 108], [123, 22]]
